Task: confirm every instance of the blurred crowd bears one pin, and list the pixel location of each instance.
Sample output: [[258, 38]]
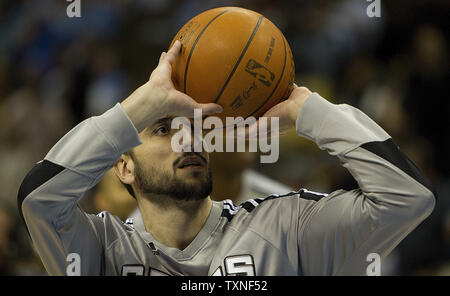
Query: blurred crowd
[[56, 71]]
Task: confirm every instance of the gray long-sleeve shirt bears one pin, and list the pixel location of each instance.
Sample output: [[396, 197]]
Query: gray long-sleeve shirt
[[298, 233]]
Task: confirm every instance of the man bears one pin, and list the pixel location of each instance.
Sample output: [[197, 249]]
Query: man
[[233, 180], [186, 233]]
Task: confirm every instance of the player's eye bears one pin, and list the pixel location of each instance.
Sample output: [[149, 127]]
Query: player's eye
[[162, 130]]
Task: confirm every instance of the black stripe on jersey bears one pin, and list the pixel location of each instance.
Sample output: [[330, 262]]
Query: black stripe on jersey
[[230, 211], [305, 194], [229, 204], [249, 205], [226, 213], [389, 151], [39, 174]]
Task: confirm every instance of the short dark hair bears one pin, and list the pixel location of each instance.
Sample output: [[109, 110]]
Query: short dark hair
[[128, 186]]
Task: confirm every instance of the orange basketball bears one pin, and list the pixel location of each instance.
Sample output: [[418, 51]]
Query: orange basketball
[[236, 58]]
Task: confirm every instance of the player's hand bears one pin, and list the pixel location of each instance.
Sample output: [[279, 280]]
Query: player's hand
[[287, 112], [158, 98]]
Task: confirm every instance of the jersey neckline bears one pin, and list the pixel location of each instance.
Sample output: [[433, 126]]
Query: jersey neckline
[[199, 241]]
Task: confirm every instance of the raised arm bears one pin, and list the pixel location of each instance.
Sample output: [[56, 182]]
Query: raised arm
[[338, 232], [48, 196], [49, 193]]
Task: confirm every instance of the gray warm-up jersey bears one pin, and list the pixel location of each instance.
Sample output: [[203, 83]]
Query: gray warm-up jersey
[[253, 184], [297, 233]]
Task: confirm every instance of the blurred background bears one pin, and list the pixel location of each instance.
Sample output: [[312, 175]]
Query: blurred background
[[56, 71]]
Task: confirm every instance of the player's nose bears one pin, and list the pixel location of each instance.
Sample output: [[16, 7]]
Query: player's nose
[[191, 139]]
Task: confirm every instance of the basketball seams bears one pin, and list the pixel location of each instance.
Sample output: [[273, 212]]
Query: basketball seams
[[232, 83], [240, 57], [195, 43]]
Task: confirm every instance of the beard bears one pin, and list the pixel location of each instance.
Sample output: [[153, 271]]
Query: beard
[[151, 181]]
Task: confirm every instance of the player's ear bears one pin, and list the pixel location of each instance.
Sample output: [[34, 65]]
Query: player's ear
[[124, 169]]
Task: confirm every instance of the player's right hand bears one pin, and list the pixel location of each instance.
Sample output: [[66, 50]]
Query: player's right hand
[[158, 98]]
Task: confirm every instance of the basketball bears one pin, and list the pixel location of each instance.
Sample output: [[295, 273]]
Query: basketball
[[236, 58]]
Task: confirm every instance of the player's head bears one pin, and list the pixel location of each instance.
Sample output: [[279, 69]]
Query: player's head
[[153, 168]]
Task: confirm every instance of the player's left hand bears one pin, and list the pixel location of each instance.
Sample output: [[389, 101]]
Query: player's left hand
[[287, 112]]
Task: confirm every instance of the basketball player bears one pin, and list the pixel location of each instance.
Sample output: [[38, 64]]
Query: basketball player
[[185, 232], [233, 179]]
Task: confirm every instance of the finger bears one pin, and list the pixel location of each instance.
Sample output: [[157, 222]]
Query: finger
[[210, 108], [172, 53], [187, 105], [206, 109], [261, 129], [163, 54]]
